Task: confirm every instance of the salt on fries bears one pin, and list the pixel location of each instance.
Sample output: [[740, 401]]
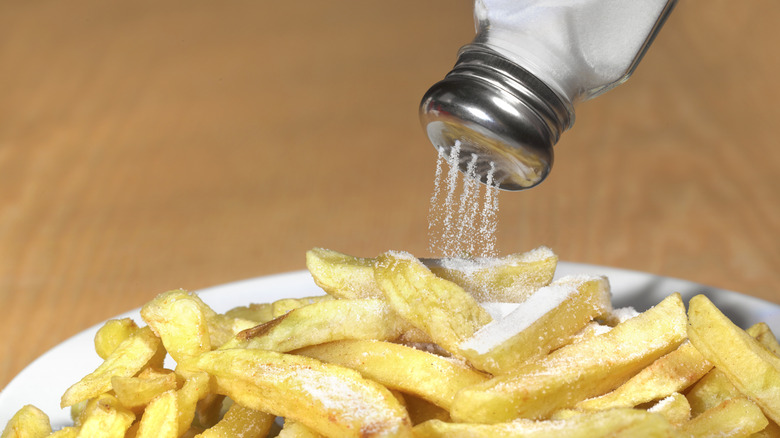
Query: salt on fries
[[407, 347]]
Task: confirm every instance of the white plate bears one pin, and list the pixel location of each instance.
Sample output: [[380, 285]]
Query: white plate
[[46, 379]]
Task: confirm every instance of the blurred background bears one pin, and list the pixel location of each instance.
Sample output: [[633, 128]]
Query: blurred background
[[146, 146]]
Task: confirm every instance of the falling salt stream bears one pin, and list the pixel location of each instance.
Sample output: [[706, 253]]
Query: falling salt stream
[[463, 225]]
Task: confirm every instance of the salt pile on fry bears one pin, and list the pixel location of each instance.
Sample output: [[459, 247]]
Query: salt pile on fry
[[403, 347]]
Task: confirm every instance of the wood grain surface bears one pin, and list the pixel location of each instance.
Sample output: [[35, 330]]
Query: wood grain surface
[[146, 146]]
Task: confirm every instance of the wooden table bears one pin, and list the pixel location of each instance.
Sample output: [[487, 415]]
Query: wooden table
[[146, 146]]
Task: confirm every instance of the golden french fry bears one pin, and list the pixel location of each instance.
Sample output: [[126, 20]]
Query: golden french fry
[[577, 371], [765, 337], [621, 422], [180, 319], [133, 392], [737, 417], [294, 429], [509, 279], [753, 369], [332, 400], [543, 322], [240, 421], [196, 386], [27, 422], [715, 388], [105, 417], [674, 408], [160, 418], [113, 333], [324, 321], [439, 307], [670, 374], [710, 391], [431, 377], [188, 326], [126, 360], [341, 275]]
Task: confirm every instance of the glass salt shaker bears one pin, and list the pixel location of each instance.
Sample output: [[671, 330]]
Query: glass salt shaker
[[512, 91]]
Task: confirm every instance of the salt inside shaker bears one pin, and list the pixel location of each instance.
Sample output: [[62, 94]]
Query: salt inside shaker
[[513, 89]]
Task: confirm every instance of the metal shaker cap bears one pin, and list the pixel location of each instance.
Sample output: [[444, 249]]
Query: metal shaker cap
[[499, 112]]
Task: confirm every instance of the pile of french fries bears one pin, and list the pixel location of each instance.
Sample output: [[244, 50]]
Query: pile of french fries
[[405, 347]]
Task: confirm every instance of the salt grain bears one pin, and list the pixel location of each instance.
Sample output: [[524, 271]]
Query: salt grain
[[624, 313]]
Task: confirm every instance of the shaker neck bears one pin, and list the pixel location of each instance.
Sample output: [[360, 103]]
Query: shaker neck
[[481, 61]]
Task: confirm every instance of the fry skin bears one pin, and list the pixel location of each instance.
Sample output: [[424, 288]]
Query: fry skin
[[332, 400]]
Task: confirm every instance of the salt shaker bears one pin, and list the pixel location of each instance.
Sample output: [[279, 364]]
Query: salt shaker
[[513, 89]]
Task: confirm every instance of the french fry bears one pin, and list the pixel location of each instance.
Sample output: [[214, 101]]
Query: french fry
[[113, 333], [436, 306], [240, 422], [737, 417], [65, 432], [105, 417], [27, 422], [543, 322], [195, 388], [134, 392], [509, 279], [324, 321], [187, 325], [332, 400], [753, 369], [180, 319], [342, 276], [674, 408], [160, 418], [293, 429], [126, 360], [765, 337], [622, 422], [715, 387], [671, 373], [577, 371], [710, 391], [431, 377]]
